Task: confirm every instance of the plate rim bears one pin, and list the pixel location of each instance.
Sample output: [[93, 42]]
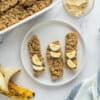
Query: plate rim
[[41, 24]]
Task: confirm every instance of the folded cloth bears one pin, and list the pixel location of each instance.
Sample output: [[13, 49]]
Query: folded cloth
[[86, 90], [74, 91], [98, 84]]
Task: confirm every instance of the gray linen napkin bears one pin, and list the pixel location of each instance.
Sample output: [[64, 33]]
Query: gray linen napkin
[[74, 91]]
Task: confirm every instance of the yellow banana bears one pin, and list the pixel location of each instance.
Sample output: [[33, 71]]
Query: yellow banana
[[9, 88], [18, 92]]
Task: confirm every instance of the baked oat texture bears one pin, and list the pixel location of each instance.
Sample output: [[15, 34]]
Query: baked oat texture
[[71, 41], [55, 60], [27, 3], [36, 58], [13, 11]]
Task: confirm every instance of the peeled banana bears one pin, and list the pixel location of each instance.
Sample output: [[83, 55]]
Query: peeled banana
[[9, 88], [5, 75]]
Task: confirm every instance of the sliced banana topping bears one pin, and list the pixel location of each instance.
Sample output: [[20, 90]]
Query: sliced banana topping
[[71, 64], [71, 54], [54, 47], [55, 54], [36, 60], [38, 68]]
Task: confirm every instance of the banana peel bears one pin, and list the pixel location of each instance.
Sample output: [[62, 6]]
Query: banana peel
[[18, 92], [9, 88], [9, 73], [5, 75], [3, 85]]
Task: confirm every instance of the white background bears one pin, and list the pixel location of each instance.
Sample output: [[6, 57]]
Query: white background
[[89, 26]]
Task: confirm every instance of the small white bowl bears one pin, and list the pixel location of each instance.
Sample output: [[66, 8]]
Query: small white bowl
[[88, 10]]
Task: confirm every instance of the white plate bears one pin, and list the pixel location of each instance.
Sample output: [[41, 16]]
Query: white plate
[[54, 2], [47, 32]]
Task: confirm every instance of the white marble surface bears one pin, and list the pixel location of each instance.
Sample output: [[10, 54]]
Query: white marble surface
[[89, 25]]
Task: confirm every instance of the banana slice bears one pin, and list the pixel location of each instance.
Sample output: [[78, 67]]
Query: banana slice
[[55, 54], [38, 68], [36, 60], [54, 47], [71, 54], [71, 64]]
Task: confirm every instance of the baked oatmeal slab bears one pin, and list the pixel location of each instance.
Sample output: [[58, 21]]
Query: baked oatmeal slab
[[71, 41], [55, 60], [15, 11], [36, 58]]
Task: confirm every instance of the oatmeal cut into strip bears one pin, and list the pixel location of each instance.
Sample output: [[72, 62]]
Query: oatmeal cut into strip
[[71, 41], [36, 55], [7, 4], [55, 60]]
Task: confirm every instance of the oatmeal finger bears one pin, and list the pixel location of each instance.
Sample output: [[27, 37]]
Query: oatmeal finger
[[71, 41], [55, 60], [36, 58]]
